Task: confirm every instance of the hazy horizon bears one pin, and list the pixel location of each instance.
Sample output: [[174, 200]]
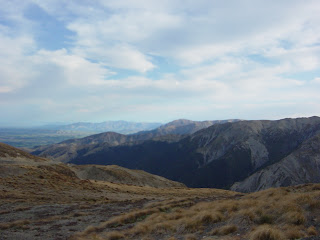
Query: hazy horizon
[[157, 61], [48, 124]]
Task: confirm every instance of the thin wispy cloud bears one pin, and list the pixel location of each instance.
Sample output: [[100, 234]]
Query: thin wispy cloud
[[158, 60]]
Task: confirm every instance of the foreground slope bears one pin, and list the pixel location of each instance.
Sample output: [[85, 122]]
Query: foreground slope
[[43, 200], [220, 155], [274, 214], [9, 154]]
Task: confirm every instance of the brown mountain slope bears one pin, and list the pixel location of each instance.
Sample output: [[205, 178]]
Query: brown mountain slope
[[116, 174], [10, 154], [274, 214], [49, 201], [44, 200], [217, 156], [301, 166], [171, 132], [14, 161]]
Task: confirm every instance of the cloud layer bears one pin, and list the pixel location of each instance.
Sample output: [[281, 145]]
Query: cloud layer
[[158, 60]]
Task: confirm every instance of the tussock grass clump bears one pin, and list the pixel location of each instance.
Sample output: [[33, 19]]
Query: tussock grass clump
[[296, 218], [265, 219], [266, 232], [18, 223], [294, 234], [312, 231], [131, 217], [224, 230], [190, 237], [283, 213], [115, 235], [206, 218]]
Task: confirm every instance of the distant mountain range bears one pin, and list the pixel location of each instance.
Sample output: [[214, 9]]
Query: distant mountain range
[[241, 155], [50, 134], [123, 127], [171, 132]]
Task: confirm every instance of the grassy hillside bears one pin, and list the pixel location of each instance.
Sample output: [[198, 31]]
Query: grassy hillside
[[283, 213], [43, 200]]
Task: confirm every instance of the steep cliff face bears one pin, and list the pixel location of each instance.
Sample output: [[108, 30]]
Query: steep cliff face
[[301, 166]]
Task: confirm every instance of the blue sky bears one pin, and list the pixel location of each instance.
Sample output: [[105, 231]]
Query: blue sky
[[145, 60]]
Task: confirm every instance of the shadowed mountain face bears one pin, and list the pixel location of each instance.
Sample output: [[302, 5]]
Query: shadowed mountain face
[[71, 149], [217, 156], [300, 166], [223, 154]]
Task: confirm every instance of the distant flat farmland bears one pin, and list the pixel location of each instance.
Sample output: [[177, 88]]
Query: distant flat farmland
[[29, 137]]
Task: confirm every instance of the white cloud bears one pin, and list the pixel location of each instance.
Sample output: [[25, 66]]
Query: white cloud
[[213, 71], [226, 59], [118, 56], [316, 80], [14, 70], [75, 70]]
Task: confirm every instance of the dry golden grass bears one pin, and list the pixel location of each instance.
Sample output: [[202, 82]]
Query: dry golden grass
[[294, 234], [266, 232], [115, 235], [294, 217], [15, 224], [224, 230], [312, 231], [56, 183], [171, 238], [282, 213], [9, 151], [190, 237]]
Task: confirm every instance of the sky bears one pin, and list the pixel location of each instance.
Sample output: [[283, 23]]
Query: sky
[[156, 61]]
